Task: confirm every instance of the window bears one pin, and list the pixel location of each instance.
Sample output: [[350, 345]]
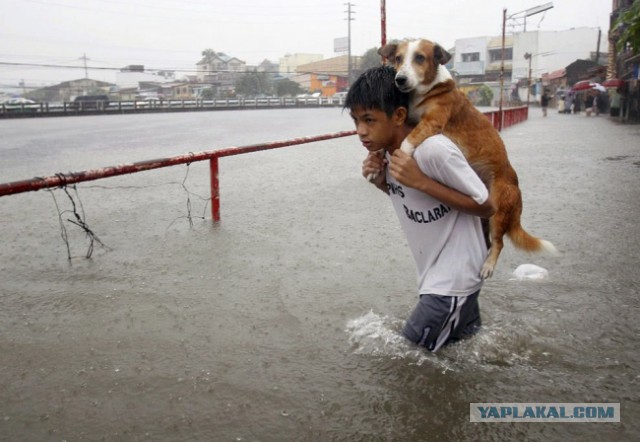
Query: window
[[496, 54], [471, 56]]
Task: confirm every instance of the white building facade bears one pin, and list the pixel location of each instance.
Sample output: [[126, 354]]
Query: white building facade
[[478, 59], [290, 62]]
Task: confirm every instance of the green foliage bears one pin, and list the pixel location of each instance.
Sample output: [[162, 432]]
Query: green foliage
[[208, 94], [208, 54], [286, 87], [485, 95], [370, 59], [254, 83], [627, 28]]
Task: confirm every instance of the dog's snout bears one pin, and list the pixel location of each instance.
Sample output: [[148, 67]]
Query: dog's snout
[[401, 80]]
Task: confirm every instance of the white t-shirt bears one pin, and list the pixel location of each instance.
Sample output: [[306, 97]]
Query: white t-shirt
[[447, 245]]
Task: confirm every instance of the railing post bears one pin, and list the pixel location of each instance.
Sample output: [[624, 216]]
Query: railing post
[[215, 189]]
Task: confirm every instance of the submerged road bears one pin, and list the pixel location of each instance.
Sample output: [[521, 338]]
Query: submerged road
[[281, 322]]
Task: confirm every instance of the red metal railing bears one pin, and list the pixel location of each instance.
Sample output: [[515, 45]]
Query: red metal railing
[[509, 118], [62, 179]]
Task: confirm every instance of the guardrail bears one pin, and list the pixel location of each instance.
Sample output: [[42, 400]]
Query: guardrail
[[509, 118], [149, 106], [62, 179]]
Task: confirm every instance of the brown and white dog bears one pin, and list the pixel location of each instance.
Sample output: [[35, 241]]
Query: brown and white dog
[[438, 106]]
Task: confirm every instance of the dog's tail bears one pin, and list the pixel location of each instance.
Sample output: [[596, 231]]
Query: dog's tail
[[523, 240]]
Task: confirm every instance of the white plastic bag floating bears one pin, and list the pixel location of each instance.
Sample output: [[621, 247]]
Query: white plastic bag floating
[[530, 272]]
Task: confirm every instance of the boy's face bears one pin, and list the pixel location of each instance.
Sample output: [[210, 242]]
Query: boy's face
[[375, 128]]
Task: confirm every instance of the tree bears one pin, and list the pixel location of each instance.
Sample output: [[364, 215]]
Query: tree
[[208, 93], [254, 83], [627, 29], [370, 59], [208, 54], [485, 95], [286, 87]]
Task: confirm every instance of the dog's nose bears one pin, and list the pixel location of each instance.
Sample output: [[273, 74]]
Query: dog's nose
[[401, 80]]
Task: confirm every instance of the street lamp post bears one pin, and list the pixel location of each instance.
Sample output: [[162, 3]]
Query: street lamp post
[[528, 56], [504, 24], [529, 12]]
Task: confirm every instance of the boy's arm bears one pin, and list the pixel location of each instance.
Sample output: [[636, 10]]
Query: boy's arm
[[406, 170]]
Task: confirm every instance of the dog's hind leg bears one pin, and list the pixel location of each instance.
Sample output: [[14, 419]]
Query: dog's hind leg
[[497, 243], [508, 203]]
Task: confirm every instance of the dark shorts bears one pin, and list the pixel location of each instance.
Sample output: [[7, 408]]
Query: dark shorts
[[441, 320]]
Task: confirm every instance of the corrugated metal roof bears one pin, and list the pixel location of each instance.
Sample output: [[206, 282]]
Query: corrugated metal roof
[[555, 74]]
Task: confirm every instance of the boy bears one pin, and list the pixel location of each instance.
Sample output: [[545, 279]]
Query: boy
[[438, 199]]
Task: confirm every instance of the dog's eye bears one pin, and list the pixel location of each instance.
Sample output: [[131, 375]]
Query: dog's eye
[[398, 59], [420, 58]]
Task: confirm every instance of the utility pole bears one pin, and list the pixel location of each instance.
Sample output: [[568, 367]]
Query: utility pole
[[349, 20], [84, 58], [528, 56], [504, 22], [597, 60], [383, 23]]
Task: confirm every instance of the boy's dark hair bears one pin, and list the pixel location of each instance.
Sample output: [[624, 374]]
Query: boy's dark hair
[[376, 89]]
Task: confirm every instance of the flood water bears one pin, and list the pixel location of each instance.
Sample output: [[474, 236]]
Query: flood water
[[282, 321]]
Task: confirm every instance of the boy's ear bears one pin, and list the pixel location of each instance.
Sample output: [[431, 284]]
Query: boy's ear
[[400, 115]]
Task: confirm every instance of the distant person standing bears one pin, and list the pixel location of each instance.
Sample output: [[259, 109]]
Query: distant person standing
[[544, 103], [577, 102], [588, 104], [614, 108], [568, 102], [561, 104]]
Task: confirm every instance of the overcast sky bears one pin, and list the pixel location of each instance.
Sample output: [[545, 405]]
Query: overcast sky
[[171, 34]]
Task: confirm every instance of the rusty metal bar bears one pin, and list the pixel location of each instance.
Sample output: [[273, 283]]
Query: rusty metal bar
[[383, 23], [215, 189], [61, 179]]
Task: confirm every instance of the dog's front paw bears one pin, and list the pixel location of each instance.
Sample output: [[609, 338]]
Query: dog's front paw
[[486, 272], [407, 147]]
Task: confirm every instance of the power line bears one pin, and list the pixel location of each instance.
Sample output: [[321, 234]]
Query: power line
[[216, 71]]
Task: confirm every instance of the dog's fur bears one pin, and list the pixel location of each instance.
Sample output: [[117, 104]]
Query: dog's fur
[[437, 106]]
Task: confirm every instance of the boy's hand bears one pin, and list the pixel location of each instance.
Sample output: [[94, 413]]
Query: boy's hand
[[374, 164], [405, 169]]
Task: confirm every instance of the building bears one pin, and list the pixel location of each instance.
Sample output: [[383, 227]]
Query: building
[[132, 75], [290, 62], [479, 60], [623, 69], [219, 70], [268, 67], [553, 50], [326, 76], [178, 91], [68, 90]]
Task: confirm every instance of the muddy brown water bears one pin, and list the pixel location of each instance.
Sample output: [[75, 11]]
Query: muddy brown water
[[281, 322]]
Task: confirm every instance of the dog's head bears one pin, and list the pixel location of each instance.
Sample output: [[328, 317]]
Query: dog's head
[[417, 63]]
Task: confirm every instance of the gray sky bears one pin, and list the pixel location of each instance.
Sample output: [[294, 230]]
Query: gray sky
[[171, 34]]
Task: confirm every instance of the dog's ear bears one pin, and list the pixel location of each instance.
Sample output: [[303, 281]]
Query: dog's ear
[[388, 51], [440, 56]]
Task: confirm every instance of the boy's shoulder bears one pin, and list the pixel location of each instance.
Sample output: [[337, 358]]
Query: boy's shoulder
[[437, 148]]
